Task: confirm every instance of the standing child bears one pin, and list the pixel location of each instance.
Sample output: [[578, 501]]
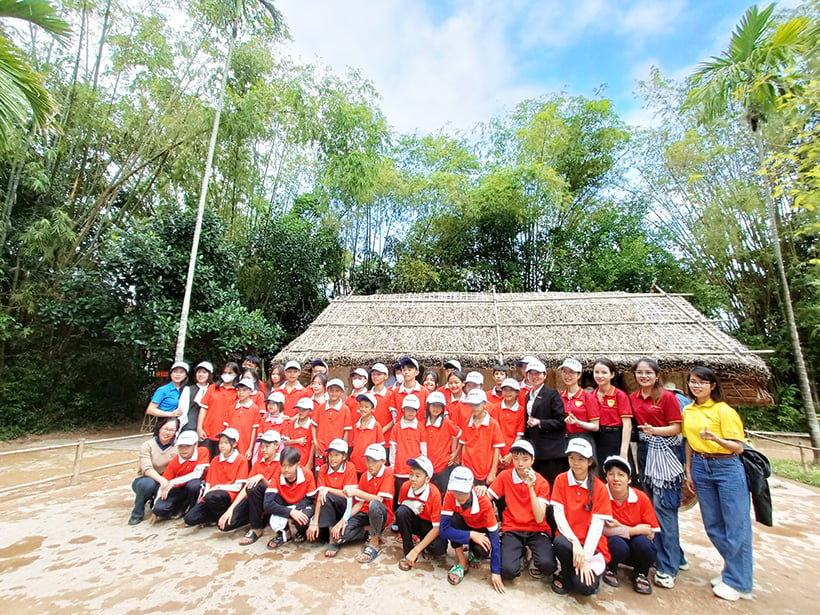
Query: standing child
[[579, 414], [441, 435], [331, 422], [184, 479], [358, 381], [373, 506], [384, 397], [494, 395], [468, 518], [581, 506], [511, 416], [272, 418], [226, 476], [457, 408], [335, 476], [481, 440], [292, 388], [215, 406], [419, 514], [406, 441], [450, 366], [409, 386], [615, 413], [365, 432], [244, 418], [299, 431]]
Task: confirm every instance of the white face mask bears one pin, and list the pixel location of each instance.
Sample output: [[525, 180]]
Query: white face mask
[[358, 383], [226, 378], [399, 378]]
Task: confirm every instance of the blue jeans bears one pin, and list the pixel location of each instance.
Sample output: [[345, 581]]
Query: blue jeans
[[670, 555], [723, 496], [145, 489]]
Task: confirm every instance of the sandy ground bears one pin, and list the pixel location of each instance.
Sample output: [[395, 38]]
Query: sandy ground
[[68, 549]]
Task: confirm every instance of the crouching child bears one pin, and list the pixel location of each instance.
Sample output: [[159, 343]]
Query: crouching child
[[184, 475], [419, 513], [331, 500]]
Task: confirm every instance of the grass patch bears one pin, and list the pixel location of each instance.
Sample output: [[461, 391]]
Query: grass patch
[[792, 469]]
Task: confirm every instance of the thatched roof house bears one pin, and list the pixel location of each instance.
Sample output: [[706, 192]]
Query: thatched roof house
[[481, 329]]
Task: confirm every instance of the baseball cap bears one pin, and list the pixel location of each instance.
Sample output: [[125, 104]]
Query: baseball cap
[[536, 366], [246, 382], [230, 433], [461, 480], [270, 436], [187, 438], [522, 446], [304, 403], [454, 363], [511, 383], [277, 397], [183, 365], [475, 378], [422, 463], [476, 396], [524, 361], [206, 365], [375, 452], [293, 365], [618, 462], [367, 397], [405, 361], [338, 445], [572, 365], [381, 368], [411, 401], [500, 368], [359, 372], [318, 362], [336, 382], [437, 397], [580, 446]]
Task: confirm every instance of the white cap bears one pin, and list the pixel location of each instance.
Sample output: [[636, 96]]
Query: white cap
[[381, 368], [187, 438], [454, 363], [527, 360], [181, 364], [338, 445], [270, 436], [618, 462], [376, 452], [359, 371], [206, 365], [476, 396], [277, 396], [511, 383], [317, 362], [475, 378], [247, 382], [422, 463], [293, 365], [305, 403], [405, 361], [336, 382], [229, 432], [369, 397], [580, 446], [536, 366], [572, 365], [411, 401], [523, 445], [461, 480], [436, 397]]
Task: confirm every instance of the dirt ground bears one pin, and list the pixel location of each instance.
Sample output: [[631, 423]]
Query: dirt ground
[[68, 549]]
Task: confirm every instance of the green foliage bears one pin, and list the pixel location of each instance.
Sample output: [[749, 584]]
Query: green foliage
[[793, 470]]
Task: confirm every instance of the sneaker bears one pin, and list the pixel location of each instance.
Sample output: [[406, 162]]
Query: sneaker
[[716, 580], [395, 528], [664, 580], [684, 566], [726, 592]]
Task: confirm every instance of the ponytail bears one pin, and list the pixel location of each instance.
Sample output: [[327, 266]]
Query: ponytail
[[591, 484]]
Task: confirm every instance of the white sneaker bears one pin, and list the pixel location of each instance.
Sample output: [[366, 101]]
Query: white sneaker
[[664, 580], [716, 580], [721, 590]]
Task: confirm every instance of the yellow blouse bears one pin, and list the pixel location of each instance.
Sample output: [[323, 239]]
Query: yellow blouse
[[719, 418]]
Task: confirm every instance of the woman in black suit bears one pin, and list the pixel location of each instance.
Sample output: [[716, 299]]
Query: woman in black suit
[[545, 424]]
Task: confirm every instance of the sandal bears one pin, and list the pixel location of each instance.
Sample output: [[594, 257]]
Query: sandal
[[473, 561], [456, 574], [276, 542], [249, 538], [611, 578], [404, 564], [642, 585], [558, 586], [331, 550], [368, 554], [535, 571]]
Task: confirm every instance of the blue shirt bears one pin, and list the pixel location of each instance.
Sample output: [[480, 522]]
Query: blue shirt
[[166, 397]]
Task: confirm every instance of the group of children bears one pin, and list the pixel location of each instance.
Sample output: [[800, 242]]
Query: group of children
[[440, 465]]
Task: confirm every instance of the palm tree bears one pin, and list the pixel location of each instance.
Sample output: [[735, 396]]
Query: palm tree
[[230, 13], [22, 93], [754, 74]]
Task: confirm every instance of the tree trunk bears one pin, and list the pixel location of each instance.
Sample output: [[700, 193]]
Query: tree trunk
[[203, 195], [799, 363]]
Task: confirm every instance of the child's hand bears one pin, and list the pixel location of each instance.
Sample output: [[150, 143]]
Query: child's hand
[[586, 573], [579, 558], [570, 419], [530, 480], [249, 453], [480, 490], [350, 490], [299, 517], [313, 532], [202, 435], [498, 583], [412, 557], [321, 497], [225, 519], [452, 460], [337, 530], [481, 539]]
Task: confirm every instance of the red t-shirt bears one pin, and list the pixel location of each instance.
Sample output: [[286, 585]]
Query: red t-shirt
[[635, 510], [479, 441], [266, 468], [512, 422], [430, 498], [573, 498], [479, 513], [400, 393], [614, 407], [344, 477], [294, 395], [296, 430], [579, 404], [661, 414], [304, 485], [180, 467], [331, 423], [459, 411], [382, 409], [518, 515], [439, 437], [382, 485], [362, 437], [218, 402], [243, 419], [227, 471], [408, 439]]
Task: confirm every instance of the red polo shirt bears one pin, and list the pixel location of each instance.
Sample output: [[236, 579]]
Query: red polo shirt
[[407, 436], [512, 422], [304, 485], [439, 437], [573, 497], [226, 471], [360, 438], [635, 510], [518, 515], [612, 407], [430, 498], [218, 401], [478, 514], [331, 423], [296, 430], [291, 397], [661, 414], [180, 467], [382, 485], [579, 405], [479, 440], [345, 476]]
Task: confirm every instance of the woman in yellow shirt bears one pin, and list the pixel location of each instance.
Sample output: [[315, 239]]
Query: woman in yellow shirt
[[714, 440]]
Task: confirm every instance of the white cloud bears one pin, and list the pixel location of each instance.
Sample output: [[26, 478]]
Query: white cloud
[[650, 17]]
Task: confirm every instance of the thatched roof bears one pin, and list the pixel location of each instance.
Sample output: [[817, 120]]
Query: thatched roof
[[481, 329]]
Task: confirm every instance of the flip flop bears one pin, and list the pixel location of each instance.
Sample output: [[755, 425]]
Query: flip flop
[[368, 554], [404, 564], [558, 587], [473, 561], [456, 572], [249, 538], [276, 542], [611, 578], [331, 550]]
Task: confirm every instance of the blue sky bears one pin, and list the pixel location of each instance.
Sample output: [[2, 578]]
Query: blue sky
[[448, 64]]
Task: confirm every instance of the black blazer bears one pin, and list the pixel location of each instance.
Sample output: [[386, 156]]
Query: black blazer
[[547, 438]]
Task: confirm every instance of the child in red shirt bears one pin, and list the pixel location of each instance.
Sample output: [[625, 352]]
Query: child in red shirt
[[215, 406], [457, 408], [299, 431], [365, 432], [406, 441], [481, 440], [332, 421], [358, 382], [272, 418], [441, 435], [331, 500], [511, 415], [419, 514], [244, 418], [292, 389], [184, 479], [384, 397]]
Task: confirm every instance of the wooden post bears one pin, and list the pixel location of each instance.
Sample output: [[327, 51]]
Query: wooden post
[[78, 457], [803, 459]]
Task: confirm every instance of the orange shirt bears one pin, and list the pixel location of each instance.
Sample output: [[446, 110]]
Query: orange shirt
[[294, 395], [227, 472], [331, 423], [382, 485], [478, 514], [408, 437], [401, 392], [345, 476], [304, 486], [579, 404], [217, 401], [573, 497], [512, 422], [430, 498], [266, 468], [180, 467], [459, 411], [244, 419], [479, 440], [360, 438], [439, 437], [296, 430], [382, 409], [635, 510], [518, 515], [614, 407]]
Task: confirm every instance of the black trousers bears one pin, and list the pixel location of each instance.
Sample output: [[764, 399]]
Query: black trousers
[[180, 499], [398, 481], [550, 468], [440, 480], [209, 509], [375, 517], [638, 552], [409, 524], [460, 524], [332, 510], [275, 504], [512, 548], [569, 576]]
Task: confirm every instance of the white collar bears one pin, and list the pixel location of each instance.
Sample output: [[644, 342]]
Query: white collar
[[631, 496], [405, 424], [371, 425], [296, 387], [337, 407], [436, 422], [383, 393], [514, 407], [371, 476], [248, 403], [416, 388], [462, 398], [484, 422], [422, 495], [341, 469], [474, 506], [517, 480], [307, 422], [193, 457], [230, 459], [571, 480], [300, 477]]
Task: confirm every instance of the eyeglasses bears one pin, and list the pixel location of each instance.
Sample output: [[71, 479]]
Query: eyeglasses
[[644, 373], [698, 383]]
